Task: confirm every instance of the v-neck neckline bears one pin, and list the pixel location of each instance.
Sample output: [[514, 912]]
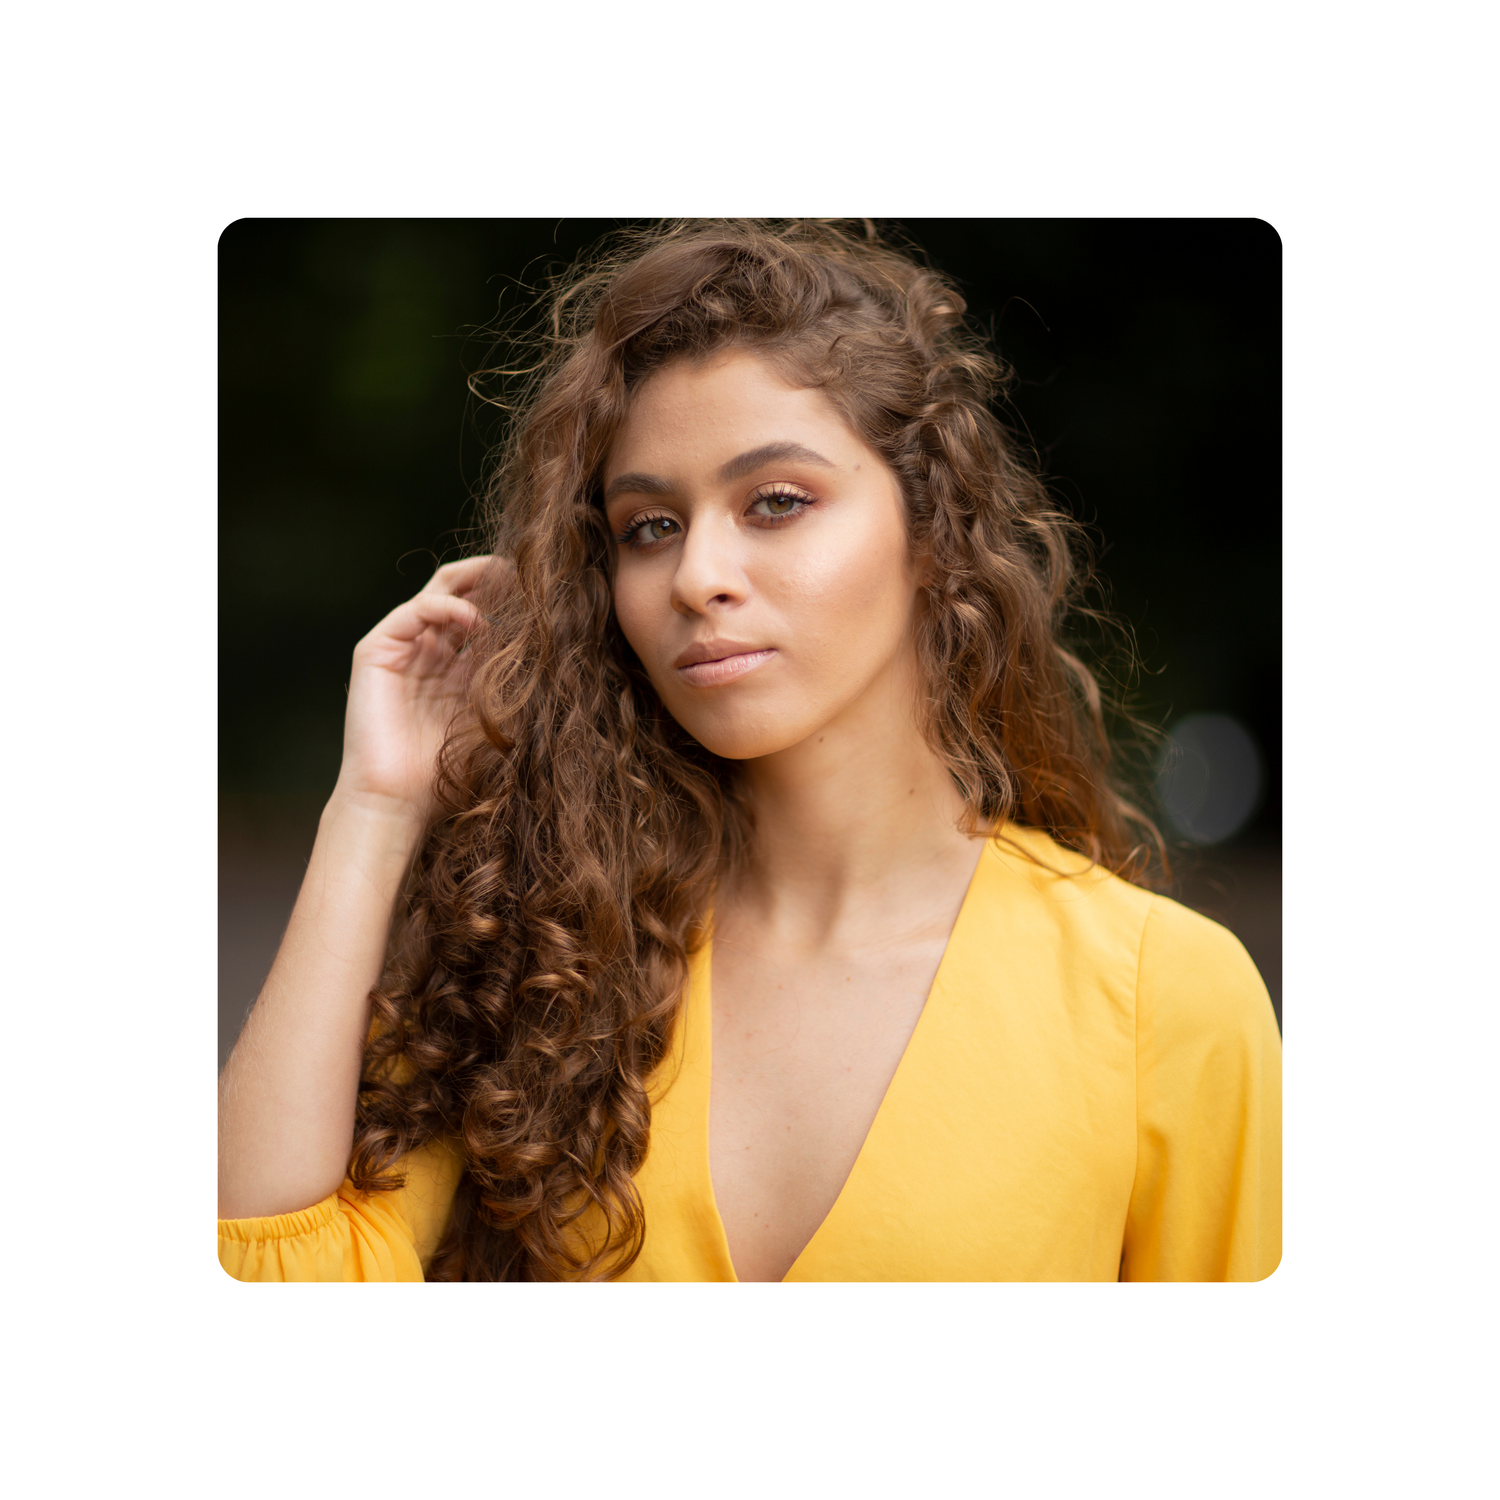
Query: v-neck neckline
[[903, 1067]]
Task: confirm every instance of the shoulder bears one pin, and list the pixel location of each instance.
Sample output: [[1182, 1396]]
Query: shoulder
[[1176, 962], [1041, 921], [1063, 891], [1187, 942], [1196, 981]]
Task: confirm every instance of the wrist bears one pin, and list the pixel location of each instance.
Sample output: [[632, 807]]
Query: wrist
[[390, 820]]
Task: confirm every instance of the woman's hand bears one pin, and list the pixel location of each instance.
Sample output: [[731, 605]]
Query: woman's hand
[[408, 680]]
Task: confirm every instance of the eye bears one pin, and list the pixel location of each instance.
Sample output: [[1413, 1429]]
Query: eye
[[779, 503], [647, 531]]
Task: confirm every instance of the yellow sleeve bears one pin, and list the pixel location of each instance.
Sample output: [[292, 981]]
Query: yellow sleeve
[[1206, 1204], [351, 1236]]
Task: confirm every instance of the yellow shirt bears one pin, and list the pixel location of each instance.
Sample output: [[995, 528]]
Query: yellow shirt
[[1092, 1093]]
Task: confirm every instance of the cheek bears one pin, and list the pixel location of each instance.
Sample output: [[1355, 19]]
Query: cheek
[[638, 609], [857, 591]]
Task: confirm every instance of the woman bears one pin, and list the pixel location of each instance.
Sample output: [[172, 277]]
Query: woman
[[770, 914]]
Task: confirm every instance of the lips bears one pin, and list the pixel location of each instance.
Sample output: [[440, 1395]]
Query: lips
[[707, 663], [715, 650]]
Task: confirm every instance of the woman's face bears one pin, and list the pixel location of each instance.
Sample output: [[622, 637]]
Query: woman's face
[[762, 568]]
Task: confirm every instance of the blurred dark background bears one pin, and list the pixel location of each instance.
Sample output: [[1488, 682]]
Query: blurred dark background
[[1147, 356]]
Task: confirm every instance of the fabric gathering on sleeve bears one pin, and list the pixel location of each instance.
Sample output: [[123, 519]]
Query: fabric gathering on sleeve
[[1206, 1201], [350, 1235]]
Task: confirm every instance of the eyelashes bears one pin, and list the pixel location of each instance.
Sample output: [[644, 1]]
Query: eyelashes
[[627, 538], [653, 529], [776, 495]]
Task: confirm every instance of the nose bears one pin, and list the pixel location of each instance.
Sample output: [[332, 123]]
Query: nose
[[710, 572]]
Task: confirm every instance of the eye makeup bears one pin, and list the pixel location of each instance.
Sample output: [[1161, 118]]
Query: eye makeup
[[651, 529]]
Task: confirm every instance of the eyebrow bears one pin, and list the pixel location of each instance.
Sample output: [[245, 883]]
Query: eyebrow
[[736, 468]]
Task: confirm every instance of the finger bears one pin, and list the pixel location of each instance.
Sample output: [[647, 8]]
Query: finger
[[443, 612], [460, 576]]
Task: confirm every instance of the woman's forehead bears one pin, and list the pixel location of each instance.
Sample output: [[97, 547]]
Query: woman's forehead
[[706, 413]]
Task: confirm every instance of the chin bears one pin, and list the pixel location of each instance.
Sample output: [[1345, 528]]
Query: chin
[[747, 746], [741, 732]]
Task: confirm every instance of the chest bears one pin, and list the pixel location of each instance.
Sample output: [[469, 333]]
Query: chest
[[804, 1053], [968, 1114]]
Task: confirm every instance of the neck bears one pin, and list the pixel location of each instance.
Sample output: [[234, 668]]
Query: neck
[[850, 822]]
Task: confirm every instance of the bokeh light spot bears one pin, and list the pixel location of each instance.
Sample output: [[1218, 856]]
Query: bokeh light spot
[[1209, 777]]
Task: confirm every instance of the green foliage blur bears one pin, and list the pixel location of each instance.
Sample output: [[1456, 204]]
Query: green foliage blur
[[1147, 355]]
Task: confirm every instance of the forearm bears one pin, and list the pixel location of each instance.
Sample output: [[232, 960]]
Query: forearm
[[287, 1096]]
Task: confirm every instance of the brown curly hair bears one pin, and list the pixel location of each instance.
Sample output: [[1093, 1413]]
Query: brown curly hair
[[538, 962]]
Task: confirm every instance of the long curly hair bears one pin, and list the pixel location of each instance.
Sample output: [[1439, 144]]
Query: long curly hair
[[539, 957]]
